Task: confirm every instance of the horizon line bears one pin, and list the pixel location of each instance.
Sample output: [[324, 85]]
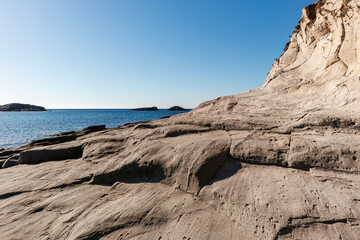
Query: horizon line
[[112, 108]]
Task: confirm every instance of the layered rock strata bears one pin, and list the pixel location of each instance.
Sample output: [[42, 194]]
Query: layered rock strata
[[280, 162]]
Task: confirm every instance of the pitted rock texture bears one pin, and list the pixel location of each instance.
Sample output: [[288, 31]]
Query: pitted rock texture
[[280, 162]]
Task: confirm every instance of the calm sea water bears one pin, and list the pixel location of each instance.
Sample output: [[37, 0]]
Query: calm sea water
[[18, 128]]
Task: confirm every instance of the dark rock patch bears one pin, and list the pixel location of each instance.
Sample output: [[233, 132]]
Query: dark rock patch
[[132, 172], [35, 156]]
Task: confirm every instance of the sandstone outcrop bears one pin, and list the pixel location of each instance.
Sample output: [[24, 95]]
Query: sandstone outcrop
[[19, 107], [279, 162]]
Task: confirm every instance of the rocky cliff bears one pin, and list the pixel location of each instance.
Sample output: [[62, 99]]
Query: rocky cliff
[[280, 162]]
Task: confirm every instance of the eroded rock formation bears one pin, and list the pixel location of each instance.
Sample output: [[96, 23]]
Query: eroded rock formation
[[280, 162]]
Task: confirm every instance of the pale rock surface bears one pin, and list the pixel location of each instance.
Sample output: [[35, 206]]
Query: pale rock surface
[[280, 162]]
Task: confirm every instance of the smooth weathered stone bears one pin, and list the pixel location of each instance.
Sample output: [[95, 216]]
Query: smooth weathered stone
[[279, 162]]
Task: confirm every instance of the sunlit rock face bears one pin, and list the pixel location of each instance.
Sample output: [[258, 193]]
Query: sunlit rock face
[[324, 46], [279, 162], [321, 61], [316, 77]]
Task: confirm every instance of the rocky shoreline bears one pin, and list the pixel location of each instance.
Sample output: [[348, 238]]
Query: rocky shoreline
[[11, 157], [279, 162]]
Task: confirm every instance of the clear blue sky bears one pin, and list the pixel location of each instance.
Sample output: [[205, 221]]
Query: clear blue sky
[[132, 53]]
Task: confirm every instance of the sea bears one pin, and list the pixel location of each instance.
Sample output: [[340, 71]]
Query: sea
[[19, 128]]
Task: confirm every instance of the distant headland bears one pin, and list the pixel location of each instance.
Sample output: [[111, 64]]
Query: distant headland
[[145, 109], [174, 108], [177, 108], [19, 107]]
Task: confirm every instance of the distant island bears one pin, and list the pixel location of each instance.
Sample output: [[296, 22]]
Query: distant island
[[176, 108], [19, 107], [145, 109]]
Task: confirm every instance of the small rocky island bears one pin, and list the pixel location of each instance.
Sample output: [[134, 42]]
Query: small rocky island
[[19, 107], [145, 109], [177, 108]]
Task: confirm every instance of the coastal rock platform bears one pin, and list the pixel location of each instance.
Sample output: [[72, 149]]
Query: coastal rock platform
[[279, 162]]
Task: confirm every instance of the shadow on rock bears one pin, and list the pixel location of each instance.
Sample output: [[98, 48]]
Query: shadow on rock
[[229, 168]]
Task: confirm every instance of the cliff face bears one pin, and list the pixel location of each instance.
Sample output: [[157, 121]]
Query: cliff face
[[321, 61], [316, 78], [324, 46], [280, 162]]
